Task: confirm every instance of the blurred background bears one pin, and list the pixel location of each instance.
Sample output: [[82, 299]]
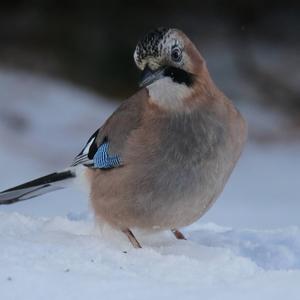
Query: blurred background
[[66, 65]]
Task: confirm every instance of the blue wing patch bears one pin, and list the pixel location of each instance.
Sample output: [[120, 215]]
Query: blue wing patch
[[103, 160]]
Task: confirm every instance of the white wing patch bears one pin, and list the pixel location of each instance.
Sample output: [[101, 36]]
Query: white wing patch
[[86, 149], [85, 157]]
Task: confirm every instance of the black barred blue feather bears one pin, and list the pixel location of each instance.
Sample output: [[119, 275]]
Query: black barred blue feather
[[103, 160], [97, 157]]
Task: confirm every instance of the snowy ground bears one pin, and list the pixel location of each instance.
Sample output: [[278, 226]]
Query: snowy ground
[[51, 249]]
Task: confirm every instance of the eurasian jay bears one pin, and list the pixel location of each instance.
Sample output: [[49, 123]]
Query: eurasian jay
[[163, 157]]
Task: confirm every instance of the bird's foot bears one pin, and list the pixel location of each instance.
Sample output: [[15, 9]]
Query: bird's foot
[[178, 234]]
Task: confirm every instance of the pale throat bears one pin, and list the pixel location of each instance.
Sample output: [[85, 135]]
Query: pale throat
[[169, 94]]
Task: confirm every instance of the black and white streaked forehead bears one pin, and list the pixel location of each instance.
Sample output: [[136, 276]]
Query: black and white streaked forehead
[[155, 45]]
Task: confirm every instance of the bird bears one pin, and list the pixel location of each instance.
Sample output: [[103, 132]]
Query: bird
[[163, 157]]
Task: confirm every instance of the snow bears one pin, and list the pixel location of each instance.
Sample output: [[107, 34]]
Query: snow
[[59, 258], [246, 247]]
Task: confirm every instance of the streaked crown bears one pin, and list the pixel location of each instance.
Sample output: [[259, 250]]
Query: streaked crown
[[158, 47], [150, 46]]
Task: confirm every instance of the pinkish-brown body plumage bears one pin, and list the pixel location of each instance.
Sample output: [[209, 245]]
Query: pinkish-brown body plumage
[[178, 152]]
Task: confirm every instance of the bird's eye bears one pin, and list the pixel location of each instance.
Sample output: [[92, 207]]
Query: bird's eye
[[176, 54]]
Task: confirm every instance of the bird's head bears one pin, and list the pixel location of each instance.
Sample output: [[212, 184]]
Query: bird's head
[[170, 64]]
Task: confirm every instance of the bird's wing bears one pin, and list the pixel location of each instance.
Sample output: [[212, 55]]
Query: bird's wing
[[104, 148]]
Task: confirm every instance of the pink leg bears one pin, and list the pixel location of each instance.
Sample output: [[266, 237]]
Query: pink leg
[[132, 238]]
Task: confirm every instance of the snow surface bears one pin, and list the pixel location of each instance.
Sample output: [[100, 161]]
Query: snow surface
[[60, 258], [51, 248]]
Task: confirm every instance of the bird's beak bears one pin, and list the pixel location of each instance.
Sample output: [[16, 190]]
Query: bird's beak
[[148, 76]]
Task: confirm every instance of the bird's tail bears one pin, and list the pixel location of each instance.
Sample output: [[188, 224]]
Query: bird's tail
[[37, 187]]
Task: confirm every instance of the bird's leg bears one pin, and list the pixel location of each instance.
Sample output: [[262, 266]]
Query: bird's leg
[[132, 238], [178, 234]]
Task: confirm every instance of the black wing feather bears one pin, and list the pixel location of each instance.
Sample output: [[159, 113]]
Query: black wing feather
[[85, 157]]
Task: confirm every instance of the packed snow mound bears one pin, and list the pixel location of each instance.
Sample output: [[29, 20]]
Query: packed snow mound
[[71, 258]]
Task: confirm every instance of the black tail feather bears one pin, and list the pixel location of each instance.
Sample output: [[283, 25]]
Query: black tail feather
[[37, 187]]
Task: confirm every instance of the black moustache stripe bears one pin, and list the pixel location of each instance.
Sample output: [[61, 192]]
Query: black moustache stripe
[[179, 75]]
